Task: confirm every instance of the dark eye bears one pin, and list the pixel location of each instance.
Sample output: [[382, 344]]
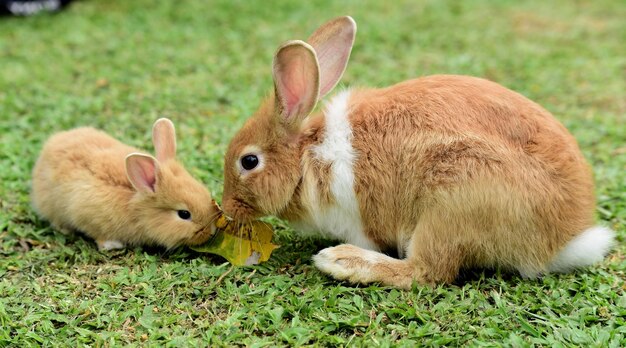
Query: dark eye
[[184, 214], [249, 162]]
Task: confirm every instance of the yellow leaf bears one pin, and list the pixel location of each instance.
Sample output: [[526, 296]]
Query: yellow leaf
[[242, 244]]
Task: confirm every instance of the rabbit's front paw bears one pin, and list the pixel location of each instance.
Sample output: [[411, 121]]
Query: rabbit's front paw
[[104, 245], [348, 262]]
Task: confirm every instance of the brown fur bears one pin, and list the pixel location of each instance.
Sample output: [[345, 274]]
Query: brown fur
[[452, 171], [261, 194], [465, 157], [80, 184]]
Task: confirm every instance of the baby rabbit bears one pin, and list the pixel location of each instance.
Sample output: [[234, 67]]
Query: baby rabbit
[[446, 171], [84, 180]]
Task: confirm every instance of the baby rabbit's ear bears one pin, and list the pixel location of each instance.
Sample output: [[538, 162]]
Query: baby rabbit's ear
[[142, 171], [164, 139], [296, 80], [333, 43]]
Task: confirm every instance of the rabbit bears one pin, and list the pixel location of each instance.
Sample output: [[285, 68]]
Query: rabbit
[[87, 181], [446, 172]]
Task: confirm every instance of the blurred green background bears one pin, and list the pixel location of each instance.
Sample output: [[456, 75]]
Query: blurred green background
[[119, 65]]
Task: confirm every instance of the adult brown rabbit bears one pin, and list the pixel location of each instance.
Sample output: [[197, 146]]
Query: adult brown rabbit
[[85, 180], [450, 171]]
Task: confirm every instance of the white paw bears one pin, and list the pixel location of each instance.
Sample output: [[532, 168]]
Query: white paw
[[110, 245], [357, 265], [329, 261], [349, 262]]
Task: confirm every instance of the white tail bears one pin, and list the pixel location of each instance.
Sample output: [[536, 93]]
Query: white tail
[[586, 249]]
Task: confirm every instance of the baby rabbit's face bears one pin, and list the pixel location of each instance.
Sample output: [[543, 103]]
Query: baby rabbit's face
[[181, 211]]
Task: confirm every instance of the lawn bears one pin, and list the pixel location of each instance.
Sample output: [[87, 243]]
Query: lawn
[[119, 65]]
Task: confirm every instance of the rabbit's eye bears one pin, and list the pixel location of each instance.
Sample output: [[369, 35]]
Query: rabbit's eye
[[249, 162], [184, 214]]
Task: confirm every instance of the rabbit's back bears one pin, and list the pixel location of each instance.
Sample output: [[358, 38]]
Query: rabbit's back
[[484, 155], [79, 175], [462, 106]]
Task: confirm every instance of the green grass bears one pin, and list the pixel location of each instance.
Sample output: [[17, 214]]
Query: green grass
[[119, 65]]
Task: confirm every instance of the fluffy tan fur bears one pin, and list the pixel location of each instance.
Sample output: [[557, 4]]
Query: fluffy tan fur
[[80, 183], [479, 171], [450, 171]]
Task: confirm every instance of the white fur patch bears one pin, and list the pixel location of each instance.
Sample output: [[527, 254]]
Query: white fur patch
[[586, 249], [110, 245], [342, 220]]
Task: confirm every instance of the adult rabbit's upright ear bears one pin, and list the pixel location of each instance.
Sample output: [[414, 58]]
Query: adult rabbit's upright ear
[[333, 43], [296, 81]]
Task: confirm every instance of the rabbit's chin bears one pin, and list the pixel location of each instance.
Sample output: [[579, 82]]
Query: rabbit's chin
[[202, 236], [239, 210]]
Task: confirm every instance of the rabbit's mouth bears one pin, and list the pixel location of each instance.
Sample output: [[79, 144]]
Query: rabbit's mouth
[[202, 235], [239, 210]]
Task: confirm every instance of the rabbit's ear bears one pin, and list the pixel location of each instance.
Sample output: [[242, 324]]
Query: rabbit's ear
[[333, 43], [164, 139], [142, 171], [296, 81]]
